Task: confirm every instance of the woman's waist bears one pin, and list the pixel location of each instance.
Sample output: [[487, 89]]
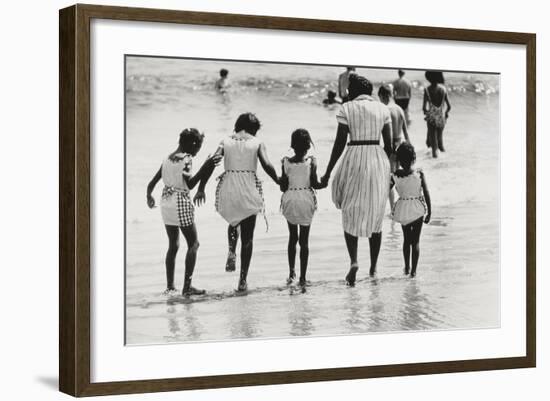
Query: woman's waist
[[364, 142]]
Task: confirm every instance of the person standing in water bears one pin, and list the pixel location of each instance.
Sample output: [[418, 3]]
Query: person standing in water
[[223, 82], [402, 90], [299, 203], [176, 206], [343, 83], [399, 128], [435, 99], [239, 194], [361, 185], [414, 206]]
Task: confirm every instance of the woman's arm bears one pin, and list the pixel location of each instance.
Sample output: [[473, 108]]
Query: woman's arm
[[448, 105], [266, 164], [425, 101], [151, 187], [426, 196], [315, 184], [387, 135], [337, 150]]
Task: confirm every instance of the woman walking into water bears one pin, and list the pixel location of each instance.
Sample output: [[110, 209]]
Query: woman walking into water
[[239, 196], [435, 99], [176, 207], [361, 185]]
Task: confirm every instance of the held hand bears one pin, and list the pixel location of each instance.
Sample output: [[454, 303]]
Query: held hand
[[150, 202], [446, 115], [213, 161], [428, 218], [200, 198]]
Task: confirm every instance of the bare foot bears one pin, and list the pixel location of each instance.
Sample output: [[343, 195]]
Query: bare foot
[[188, 291], [352, 275]]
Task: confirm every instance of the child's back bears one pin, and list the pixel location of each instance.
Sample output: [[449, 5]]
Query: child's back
[[298, 203], [410, 206]]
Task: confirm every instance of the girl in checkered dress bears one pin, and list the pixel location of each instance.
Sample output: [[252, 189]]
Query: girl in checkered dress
[[298, 203], [239, 196], [176, 206]]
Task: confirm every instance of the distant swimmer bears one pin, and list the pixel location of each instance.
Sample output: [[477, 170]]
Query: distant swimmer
[[331, 98], [343, 83], [222, 84], [402, 93]]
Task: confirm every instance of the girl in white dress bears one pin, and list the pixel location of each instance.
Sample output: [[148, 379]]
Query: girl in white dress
[[414, 207], [176, 207], [239, 196], [298, 203], [360, 187]]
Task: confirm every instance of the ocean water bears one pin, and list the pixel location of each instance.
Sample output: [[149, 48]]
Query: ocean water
[[458, 281]]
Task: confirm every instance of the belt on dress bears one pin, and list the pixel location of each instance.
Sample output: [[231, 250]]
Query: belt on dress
[[240, 171], [299, 189], [169, 191], [363, 143]]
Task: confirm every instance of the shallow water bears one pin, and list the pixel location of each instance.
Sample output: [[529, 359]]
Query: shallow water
[[457, 286]]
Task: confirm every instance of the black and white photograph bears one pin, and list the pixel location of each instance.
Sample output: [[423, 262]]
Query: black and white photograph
[[277, 200]]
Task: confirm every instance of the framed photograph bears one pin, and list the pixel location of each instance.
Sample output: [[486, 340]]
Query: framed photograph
[[251, 200]]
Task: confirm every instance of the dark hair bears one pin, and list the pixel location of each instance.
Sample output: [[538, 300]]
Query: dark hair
[[359, 85], [350, 68], [191, 140], [331, 94], [435, 77], [223, 72], [406, 156], [248, 122], [384, 91], [401, 72], [300, 140]]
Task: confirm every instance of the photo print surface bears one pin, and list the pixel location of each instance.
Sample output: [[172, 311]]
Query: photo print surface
[[272, 200]]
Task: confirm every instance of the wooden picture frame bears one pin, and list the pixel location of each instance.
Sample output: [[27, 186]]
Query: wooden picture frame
[[74, 199]]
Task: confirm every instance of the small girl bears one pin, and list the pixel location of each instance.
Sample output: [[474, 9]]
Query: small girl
[[413, 203], [298, 203], [176, 206], [239, 195]]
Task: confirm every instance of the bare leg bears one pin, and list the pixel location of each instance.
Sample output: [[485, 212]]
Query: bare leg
[[232, 238], [351, 244], [190, 234], [439, 135], [291, 250], [407, 248], [304, 253], [170, 260], [432, 138], [375, 241], [416, 229], [247, 239]]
